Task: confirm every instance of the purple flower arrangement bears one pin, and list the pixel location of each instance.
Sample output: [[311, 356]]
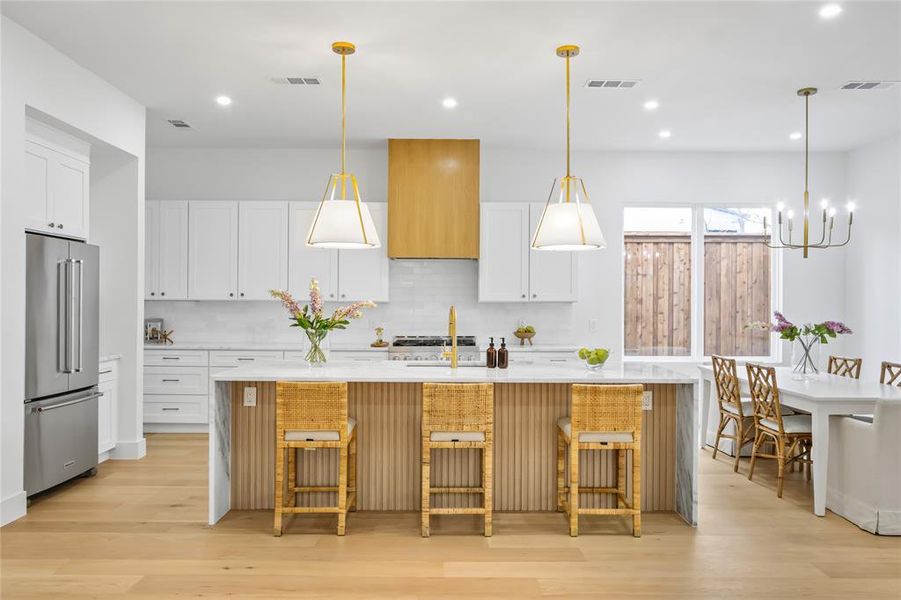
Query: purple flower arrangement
[[791, 332]]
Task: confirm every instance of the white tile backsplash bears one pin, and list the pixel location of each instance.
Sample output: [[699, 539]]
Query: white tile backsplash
[[421, 294]]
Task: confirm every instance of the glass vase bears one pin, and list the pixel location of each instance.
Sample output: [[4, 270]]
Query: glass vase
[[805, 354], [317, 355]]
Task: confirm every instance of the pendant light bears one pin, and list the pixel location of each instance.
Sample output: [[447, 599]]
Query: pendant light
[[828, 213], [568, 221], [342, 222]]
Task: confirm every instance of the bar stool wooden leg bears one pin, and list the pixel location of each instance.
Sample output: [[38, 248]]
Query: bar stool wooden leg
[[279, 489], [574, 488], [561, 469], [487, 484], [620, 478], [636, 489], [342, 489], [292, 476], [426, 467]]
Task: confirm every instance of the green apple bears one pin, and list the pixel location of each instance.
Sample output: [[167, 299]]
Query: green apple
[[602, 354], [583, 353], [594, 360]]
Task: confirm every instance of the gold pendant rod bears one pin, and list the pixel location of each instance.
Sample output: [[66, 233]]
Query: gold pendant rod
[[567, 120], [806, 163]]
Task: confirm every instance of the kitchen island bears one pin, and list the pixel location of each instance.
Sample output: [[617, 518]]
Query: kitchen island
[[385, 399]]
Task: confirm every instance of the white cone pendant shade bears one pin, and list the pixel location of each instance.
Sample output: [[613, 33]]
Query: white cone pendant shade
[[343, 222], [568, 224], [568, 221]]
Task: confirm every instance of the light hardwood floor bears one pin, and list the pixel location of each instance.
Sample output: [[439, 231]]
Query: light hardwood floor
[[138, 529]]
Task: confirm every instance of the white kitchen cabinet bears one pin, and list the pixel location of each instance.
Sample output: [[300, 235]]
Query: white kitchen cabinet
[[212, 250], [262, 249], [509, 270], [553, 274], [166, 250], [305, 263], [504, 252], [176, 390], [363, 274], [107, 406], [57, 188]]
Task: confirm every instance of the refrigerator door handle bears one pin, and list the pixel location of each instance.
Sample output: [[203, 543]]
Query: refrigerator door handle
[[42, 409], [62, 311], [80, 264], [68, 316]]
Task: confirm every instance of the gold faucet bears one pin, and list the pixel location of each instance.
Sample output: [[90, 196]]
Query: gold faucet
[[452, 332]]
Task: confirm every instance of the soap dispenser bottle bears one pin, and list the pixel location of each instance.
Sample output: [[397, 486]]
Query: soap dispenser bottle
[[502, 360], [491, 355]]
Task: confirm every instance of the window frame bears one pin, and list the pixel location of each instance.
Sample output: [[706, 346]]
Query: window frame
[[697, 283]]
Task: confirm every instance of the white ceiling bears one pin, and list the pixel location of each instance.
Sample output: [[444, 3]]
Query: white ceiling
[[725, 73]]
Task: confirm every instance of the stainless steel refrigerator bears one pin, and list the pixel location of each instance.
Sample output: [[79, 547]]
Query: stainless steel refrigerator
[[61, 351]]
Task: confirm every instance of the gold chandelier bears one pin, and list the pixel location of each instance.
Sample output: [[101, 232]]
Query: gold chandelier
[[341, 222], [568, 221], [828, 213]]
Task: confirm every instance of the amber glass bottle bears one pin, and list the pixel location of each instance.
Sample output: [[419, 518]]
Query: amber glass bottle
[[502, 360], [491, 355]]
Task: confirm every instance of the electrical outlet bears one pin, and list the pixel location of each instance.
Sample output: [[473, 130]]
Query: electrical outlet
[[250, 396], [647, 401], [592, 324]]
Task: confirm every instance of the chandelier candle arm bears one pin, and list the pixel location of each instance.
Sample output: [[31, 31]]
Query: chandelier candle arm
[[828, 223]]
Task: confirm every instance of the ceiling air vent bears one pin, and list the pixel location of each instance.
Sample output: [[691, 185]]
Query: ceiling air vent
[[179, 124], [296, 80], [613, 84], [868, 85]]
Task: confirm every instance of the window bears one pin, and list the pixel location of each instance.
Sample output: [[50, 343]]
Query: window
[[694, 277]]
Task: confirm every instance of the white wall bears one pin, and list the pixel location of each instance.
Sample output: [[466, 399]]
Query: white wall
[[873, 273], [422, 290], [35, 75]]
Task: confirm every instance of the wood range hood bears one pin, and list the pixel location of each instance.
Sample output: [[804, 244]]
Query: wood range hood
[[433, 198]]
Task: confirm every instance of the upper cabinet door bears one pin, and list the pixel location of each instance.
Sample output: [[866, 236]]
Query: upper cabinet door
[[504, 252], [172, 251], [305, 263], [69, 196], [151, 250], [363, 274], [212, 250], [552, 273], [38, 161], [263, 249]]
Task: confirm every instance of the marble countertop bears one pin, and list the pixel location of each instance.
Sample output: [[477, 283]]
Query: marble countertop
[[109, 357], [258, 346], [337, 370]]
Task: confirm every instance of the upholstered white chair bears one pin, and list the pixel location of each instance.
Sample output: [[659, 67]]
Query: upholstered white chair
[[864, 480]]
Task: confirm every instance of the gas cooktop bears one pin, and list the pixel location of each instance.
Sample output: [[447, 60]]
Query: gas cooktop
[[429, 347], [411, 341]]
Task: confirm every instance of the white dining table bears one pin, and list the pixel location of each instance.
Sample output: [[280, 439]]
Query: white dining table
[[823, 396]]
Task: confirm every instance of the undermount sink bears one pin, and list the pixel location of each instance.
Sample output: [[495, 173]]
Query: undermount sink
[[442, 363]]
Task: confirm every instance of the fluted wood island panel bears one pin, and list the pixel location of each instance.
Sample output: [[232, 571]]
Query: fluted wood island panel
[[388, 420]]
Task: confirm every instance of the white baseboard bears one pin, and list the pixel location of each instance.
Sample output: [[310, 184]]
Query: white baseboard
[[134, 450], [12, 508], [104, 456], [176, 428]]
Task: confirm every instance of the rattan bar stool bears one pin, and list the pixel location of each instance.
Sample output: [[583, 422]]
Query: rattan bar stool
[[313, 415], [457, 416], [844, 366], [604, 417]]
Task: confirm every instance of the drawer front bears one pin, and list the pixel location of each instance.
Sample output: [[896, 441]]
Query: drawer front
[[107, 371], [176, 358], [238, 358], [358, 356], [175, 409], [543, 358], [176, 380]]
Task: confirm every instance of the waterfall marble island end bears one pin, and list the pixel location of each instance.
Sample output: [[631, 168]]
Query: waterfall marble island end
[[386, 401]]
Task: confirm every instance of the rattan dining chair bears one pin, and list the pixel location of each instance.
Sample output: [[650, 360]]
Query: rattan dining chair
[[733, 408], [791, 434], [890, 373], [603, 417], [457, 416], [844, 366], [312, 415]]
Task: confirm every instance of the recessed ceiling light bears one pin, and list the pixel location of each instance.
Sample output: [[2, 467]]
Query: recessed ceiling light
[[794, 135], [830, 11], [223, 100], [651, 105], [449, 103], [665, 134]]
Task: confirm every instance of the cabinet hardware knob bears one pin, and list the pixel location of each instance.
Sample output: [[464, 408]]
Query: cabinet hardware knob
[[51, 224], [231, 294], [60, 226], [534, 295], [242, 294], [523, 295], [162, 293], [344, 295], [153, 293], [331, 295]]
